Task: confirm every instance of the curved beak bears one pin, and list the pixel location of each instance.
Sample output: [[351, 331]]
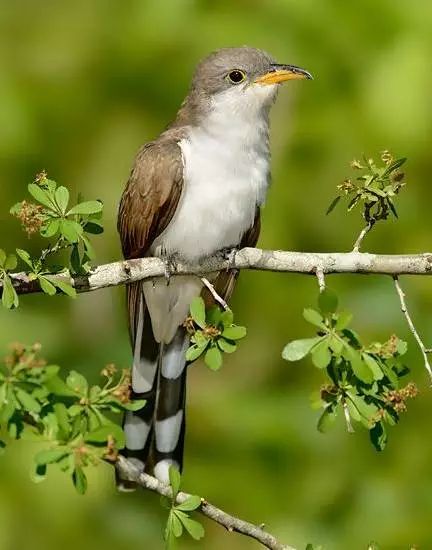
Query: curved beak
[[281, 73]]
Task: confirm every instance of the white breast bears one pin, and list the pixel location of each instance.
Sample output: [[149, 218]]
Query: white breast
[[226, 175]]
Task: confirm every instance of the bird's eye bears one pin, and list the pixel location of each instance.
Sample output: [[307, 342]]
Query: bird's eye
[[237, 76]]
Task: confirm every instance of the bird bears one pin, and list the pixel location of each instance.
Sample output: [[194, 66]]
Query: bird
[[195, 190]]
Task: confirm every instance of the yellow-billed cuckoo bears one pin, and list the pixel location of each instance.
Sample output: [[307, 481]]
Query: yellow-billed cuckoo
[[193, 191]]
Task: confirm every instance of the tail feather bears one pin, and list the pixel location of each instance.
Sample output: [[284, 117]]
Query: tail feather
[[155, 433]]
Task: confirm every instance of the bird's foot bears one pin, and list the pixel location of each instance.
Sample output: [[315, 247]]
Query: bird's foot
[[229, 255], [169, 267]]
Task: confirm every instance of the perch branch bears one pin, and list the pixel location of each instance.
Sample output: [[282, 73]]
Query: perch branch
[[129, 271], [129, 471]]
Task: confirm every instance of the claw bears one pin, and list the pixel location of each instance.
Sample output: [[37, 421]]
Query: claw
[[229, 254], [169, 268]]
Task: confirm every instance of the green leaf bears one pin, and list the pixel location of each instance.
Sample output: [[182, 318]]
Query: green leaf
[[27, 401], [197, 311], [333, 204], [175, 480], [176, 525], [101, 434], [297, 349], [191, 503], [77, 382], [50, 228], [200, 339], [50, 456], [25, 257], [353, 411], [327, 419], [2, 257], [41, 195], [227, 318], [213, 358], [359, 367], [9, 405], [61, 414], [9, 295], [62, 198], [134, 405], [327, 301], [57, 386], [321, 355], [234, 332], [195, 351], [66, 288], [194, 528], [168, 534], [50, 185], [85, 208], [343, 320], [46, 286], [11, 262], [2, 447], [213, 316], [79, 480], [367, 410], [401, 347], [336, 344], [226, 346], [373, 366], [71, 230], [312, 316]]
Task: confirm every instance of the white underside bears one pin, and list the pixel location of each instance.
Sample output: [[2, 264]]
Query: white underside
[[226, 176]]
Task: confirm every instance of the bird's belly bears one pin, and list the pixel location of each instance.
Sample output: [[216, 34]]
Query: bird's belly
[[218, 204]]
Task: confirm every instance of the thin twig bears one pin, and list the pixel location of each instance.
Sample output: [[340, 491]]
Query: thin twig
[[130, 271], [59, 245], [128, 470], [362, 235], [405, 311], [321, 278], [215, 295]]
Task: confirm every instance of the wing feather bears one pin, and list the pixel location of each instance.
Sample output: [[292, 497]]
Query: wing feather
[[147, 205]]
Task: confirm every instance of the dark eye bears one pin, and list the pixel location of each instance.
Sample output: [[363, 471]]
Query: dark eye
[[237, 76]]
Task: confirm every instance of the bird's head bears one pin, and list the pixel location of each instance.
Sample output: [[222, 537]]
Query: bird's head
[[242, 79]]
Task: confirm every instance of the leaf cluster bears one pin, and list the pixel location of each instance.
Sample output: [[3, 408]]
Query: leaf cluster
[[374, 189], [363, 382], [179, 519], [72, 418], [66, 226], [213, 333]]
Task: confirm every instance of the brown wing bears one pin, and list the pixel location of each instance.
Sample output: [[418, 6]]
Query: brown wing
[[147, 205], [151, 196], [226, 280]]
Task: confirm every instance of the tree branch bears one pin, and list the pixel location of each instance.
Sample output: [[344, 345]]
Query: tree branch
[[129, 471], [128, 271], [412, 328]]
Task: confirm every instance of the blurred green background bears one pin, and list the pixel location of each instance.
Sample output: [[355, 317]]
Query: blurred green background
[[82, 85]]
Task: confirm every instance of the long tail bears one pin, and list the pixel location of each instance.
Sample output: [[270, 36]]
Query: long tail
[[155, 434]]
